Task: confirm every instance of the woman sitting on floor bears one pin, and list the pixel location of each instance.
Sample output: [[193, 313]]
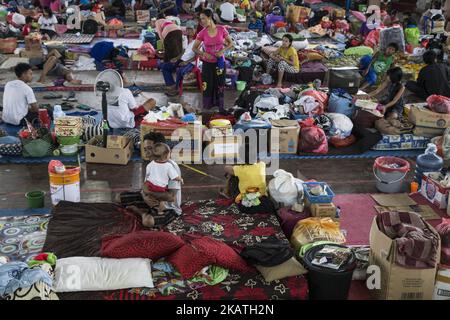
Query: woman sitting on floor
[[47, 23], [285, 59]]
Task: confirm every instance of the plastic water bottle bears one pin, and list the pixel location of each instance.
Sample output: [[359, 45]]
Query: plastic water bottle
[[428, 162], [57, 112]]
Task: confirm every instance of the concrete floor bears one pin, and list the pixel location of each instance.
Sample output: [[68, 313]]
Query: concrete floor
[[99, 183]]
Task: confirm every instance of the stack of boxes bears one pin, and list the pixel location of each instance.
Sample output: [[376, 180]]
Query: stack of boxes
[[186, 143], [321, 206], [222, 143], [68, 131]]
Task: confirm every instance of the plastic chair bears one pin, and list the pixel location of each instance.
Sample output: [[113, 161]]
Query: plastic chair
[[198, 74]]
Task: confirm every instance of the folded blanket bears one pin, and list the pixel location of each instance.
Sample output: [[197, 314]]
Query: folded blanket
[[444, 231], [416, 244]]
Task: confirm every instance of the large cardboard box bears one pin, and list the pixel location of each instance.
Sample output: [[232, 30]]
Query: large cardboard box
[[397, 282], [428, 132], [422, 117], [434, 192], [32, 54], [176, 140], [95, 154], [288, 132], [223, 147]]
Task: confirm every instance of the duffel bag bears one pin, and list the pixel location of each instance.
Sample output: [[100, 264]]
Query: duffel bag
[[340, 101]]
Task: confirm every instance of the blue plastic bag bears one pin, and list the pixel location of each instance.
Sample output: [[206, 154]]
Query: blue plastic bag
[[341, 102]]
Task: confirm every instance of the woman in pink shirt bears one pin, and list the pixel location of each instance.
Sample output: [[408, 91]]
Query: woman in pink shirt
[[216, 41]]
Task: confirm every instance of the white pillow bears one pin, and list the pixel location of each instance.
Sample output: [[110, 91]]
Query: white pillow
[[298, 45], [98, 274]]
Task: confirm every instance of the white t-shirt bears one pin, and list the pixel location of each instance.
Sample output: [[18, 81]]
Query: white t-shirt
[[188, 52], [121, 116], [16, 101], [48, 24], [173, 184], [228, 11], [198, 3], [159, 174]]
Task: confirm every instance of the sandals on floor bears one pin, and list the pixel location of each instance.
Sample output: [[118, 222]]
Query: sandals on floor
[[51, 96]]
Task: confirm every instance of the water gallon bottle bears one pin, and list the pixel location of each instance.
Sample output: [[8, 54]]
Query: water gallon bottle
[[428, 162], [57, 112]]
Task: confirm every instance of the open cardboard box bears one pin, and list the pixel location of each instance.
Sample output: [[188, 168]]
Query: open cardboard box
[[397, 282], [423, 117], [95, 154]]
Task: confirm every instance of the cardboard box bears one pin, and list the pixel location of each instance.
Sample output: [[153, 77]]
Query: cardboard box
[[397, 282], [434, 192], [116, 142], [223, 147], [428, 132], [422, 117], [323, 210], [173, 139], [288, 133], [95, 154], [142, 16]]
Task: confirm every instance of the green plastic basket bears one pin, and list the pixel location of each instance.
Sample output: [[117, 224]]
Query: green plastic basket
[[67, 141]]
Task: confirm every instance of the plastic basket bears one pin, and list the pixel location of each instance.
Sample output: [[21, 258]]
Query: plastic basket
[[328, 198]]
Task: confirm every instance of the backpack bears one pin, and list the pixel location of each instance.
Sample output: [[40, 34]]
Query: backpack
[[246, 99], [268, 253]]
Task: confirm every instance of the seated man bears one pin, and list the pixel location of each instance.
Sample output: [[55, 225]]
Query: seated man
[[126, 113], [228, 11], [54, 67], [433, 78], [19, 102], [139, 202]]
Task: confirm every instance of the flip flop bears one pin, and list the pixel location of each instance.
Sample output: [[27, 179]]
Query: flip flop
[[65, 106]]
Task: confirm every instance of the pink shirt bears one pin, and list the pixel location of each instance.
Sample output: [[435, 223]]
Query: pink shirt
[[214, 44]]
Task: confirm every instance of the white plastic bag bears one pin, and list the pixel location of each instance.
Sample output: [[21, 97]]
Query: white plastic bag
[[342, 124], [284, 188]]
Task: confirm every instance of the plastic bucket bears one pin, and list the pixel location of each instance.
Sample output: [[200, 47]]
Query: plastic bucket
[[35, 199], [65, 186], [325, 283], [240, 85], [390, 173]]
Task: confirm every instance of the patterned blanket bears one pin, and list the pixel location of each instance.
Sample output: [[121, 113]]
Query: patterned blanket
[[77, 230], [416, 244]]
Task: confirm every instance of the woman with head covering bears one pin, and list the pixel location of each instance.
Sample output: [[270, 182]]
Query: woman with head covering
[[215, 40], [172, 38]]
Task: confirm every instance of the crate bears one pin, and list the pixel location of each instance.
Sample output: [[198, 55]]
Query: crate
[[328, 198]]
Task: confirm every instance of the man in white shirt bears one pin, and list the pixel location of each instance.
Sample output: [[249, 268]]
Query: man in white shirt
[[19, 102], [126, 113], [227, 11]]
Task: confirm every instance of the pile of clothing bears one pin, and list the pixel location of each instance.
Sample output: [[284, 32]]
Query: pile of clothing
[[416, 244]]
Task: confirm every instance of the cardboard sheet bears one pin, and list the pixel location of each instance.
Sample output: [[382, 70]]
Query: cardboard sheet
[[393, 200]]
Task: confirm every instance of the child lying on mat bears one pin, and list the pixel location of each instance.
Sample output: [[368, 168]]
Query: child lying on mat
[[159, 173]]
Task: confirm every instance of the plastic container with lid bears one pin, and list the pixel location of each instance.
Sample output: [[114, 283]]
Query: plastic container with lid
[[428, 162], [57, 112]]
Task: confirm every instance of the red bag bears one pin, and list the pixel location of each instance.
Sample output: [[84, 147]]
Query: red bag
[[439, 104], [320, 97], [312, 138], [373, 38], [342, 143]]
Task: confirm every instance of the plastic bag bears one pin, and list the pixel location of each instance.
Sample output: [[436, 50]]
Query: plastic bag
[[316, 229], [342, 125], [320, 97], [373, 38], [312, 138], [412, 36], [392, 35], [341, 102], [439, 104], [284, 188]]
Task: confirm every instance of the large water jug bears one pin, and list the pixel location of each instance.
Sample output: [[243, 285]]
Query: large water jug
[[57, 112], [428, 162]]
